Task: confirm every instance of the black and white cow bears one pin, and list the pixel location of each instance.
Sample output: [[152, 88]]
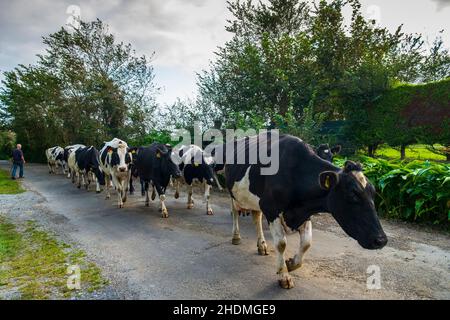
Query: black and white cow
[[154, 165], [84, 164], [55, 158], [196, 166], [67, 151], [115, 161], [304, 185], [326, 153]]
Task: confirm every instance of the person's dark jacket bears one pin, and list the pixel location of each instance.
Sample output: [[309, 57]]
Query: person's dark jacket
[[17, 156]]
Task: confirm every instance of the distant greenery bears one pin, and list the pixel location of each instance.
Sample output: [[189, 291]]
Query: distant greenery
[[409, 114], [416, 191], [34, 264], [416, 151], [288, 58], [7, 143], [7, 185]]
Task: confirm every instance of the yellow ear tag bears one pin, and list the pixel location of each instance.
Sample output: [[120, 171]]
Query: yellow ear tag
[[134, 151], [327, 182], [110, 151], [195, 164], [158, 155]]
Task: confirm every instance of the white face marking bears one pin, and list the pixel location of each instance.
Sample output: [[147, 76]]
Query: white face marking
[[326, 151], [360, 177], [241, 192]]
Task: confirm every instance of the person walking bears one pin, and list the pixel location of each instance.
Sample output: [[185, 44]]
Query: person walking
[[18, 161]]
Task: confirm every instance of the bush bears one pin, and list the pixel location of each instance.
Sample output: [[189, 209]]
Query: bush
[[415, 191], [7, 144]]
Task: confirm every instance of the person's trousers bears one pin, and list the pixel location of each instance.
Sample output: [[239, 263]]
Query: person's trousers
[[14, 169]]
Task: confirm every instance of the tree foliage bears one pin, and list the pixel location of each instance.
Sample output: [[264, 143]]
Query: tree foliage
[[86, 88], [286, 53]]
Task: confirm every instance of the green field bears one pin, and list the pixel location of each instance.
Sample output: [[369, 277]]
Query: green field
[[7, 185], [413, 152]]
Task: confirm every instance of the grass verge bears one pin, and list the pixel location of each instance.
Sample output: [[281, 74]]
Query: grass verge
[[7, 185], [34, 265]]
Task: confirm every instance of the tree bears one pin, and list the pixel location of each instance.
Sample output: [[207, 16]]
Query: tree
[[86, 88], [285, 53]]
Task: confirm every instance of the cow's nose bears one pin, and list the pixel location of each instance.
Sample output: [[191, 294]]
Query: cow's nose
[[122, 169], [380, 241]]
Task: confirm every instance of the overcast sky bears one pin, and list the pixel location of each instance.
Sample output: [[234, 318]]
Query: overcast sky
[[182, 33]]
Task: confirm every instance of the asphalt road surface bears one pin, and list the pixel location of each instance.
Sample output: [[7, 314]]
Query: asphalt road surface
[[190, 255]]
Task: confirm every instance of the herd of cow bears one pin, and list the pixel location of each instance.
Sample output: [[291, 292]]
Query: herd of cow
[[306, 183]]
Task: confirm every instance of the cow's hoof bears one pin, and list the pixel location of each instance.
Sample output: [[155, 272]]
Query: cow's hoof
[[147, 204], [190, 205], [177, 195], [97, 191], [286, 282], [209, 212], [120, 206], [79, 187], [143, 193], [292, 265], [262, 249], [153, 196], [107, 197], [124, 199], [236, 241]]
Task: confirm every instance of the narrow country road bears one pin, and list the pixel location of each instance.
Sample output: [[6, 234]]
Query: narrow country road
[[190, 255]]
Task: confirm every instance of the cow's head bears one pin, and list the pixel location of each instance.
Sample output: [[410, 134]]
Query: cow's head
[[120, 157], [204, 168], [167, 165], [350, 200], [326, 153]]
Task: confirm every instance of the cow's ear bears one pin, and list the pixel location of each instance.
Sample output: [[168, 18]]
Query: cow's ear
[[336, 149], [350, 166], [328, 180]]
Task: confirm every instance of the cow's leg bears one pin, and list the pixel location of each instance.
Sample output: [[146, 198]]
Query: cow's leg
[[177, 188], [68, 173], [153, 193], [49, 167], [190, 201], [162, 198], [87, 181], [80, 178], [236, 234], [131, 185], [124, 184], [119, 189], [142, 186], [305, 231], [164, 212], [209, 210], [147, 199], [261, 244], [97, 185], [107, 182], [279, 238]]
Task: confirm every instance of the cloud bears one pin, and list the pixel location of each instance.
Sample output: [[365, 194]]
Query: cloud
[[183, 34], [442, 4]]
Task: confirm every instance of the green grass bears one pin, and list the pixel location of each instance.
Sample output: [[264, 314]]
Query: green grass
[[413, 152], [7, 185], [34, 263]]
